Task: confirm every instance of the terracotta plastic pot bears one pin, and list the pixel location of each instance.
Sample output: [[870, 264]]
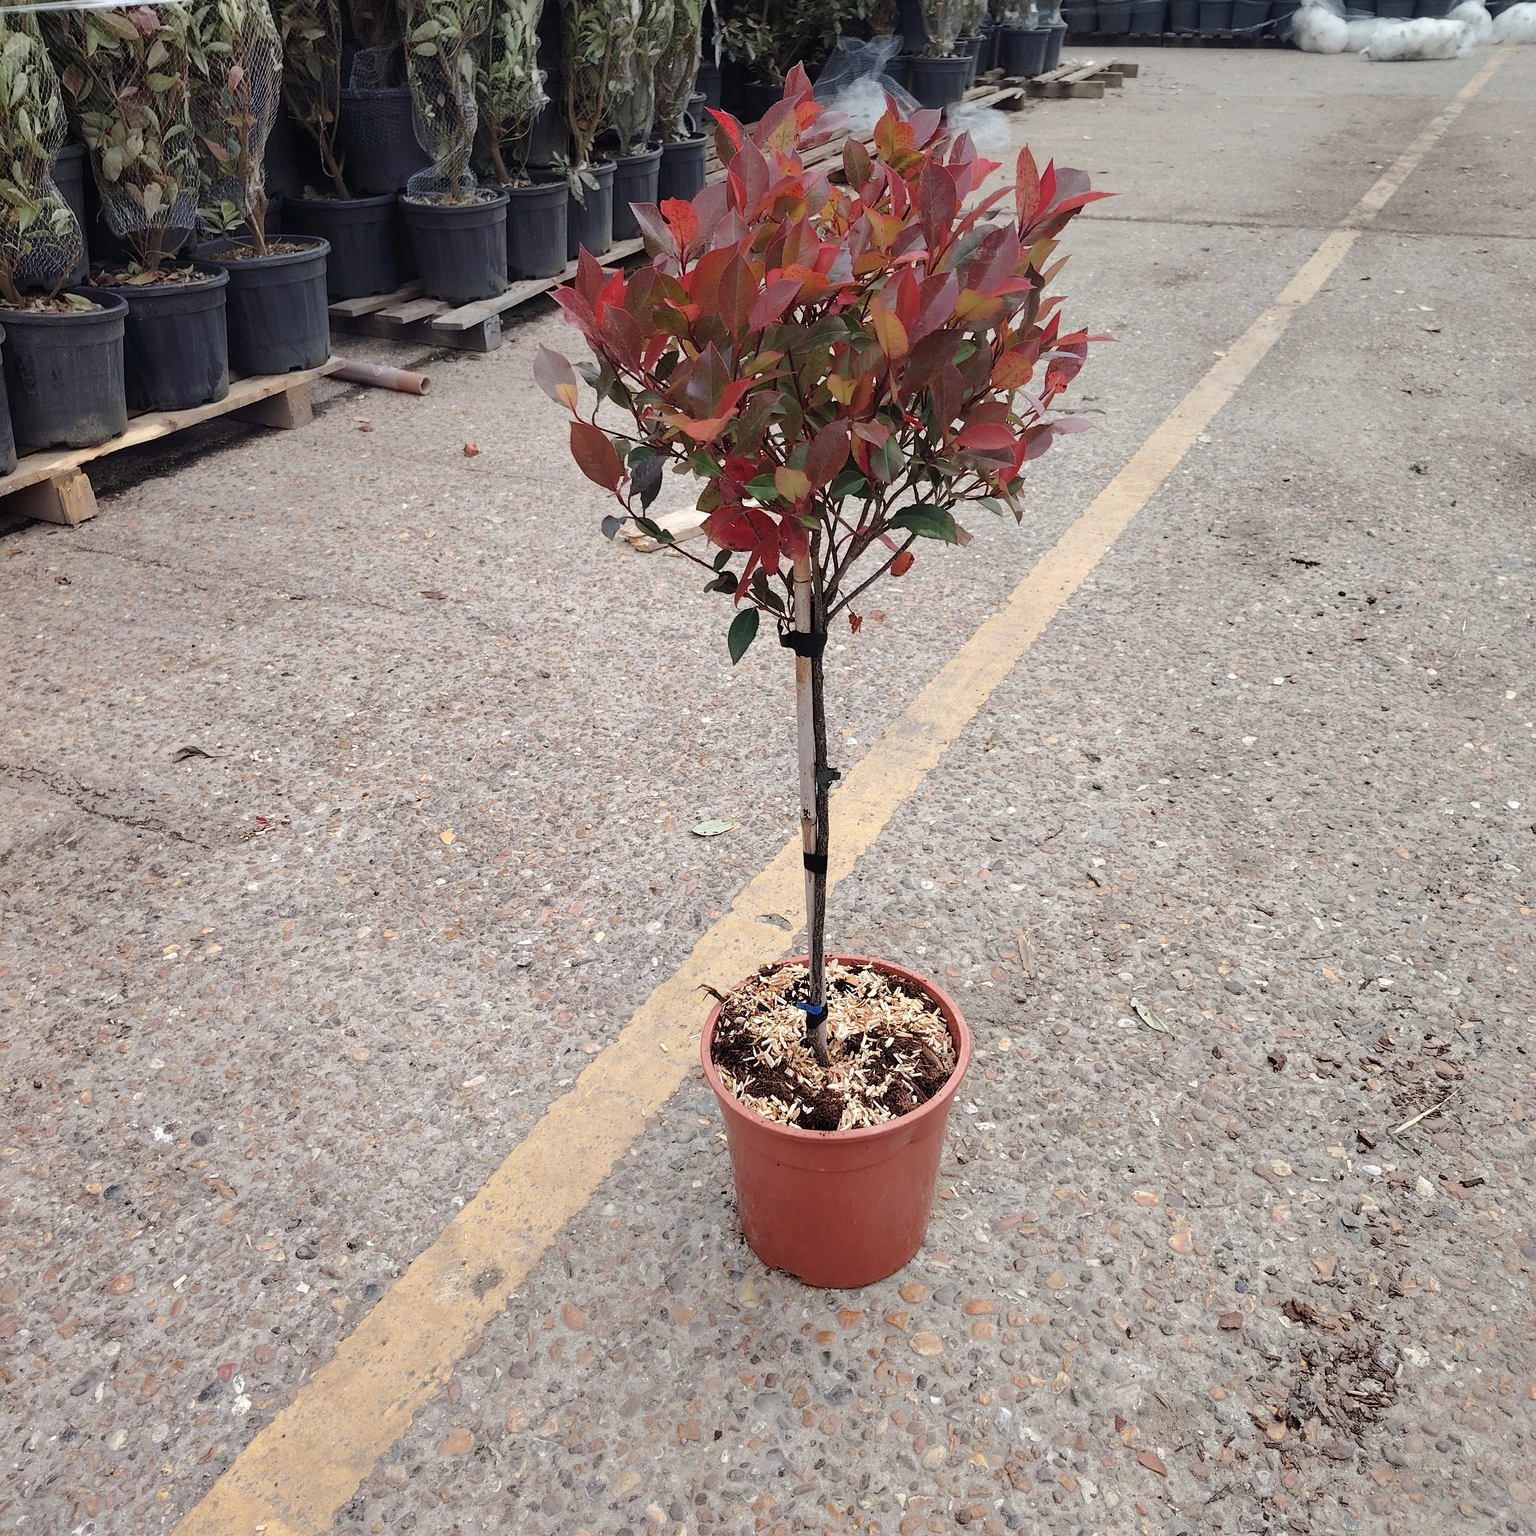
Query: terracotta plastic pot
[[840, 1209]]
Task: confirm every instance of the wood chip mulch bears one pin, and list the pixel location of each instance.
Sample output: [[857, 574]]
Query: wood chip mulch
[[891, 1050]]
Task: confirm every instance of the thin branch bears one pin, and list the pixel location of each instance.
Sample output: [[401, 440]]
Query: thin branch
[[842, 603]]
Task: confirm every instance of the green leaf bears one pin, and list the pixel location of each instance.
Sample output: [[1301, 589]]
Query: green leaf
[[850, 482], [722, 559], [713, 828], [742, 633], [763, 489], [927, 523], [765, 593]]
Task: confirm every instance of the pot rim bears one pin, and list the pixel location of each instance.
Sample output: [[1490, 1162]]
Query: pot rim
[[377, 199], [413, 200], [640, 159], [314, 245], [114, 308], [959, 1032], [220, 275]]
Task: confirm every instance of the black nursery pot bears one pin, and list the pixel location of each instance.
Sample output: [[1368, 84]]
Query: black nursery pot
[[1080, 17], [940, 82], [635, 179], [379, 139], [682, 169], [759, 98], [1058, 31], [536, 218], [589, 219], [1148, 16], [708, 81], [1024, 50], [461, 248], [1249, 14], [7, 440], [175, 347], [1433, 7], [64, 375], [549, 140], [69, 178], [1184, 15], [361, 233], [276, 306], [1215, 17], [1114, 17]]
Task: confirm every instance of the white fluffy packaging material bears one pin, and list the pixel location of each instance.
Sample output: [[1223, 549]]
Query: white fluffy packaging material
[[990, 130], [1426, 38], [1361, 31], [1517, 24], [1475, 14], [1316, 29]]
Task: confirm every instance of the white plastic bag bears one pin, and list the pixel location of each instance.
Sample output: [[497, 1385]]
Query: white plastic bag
[[1517, 24], [1476, 16], [1426, 38], [853, 81], [1318, 29]]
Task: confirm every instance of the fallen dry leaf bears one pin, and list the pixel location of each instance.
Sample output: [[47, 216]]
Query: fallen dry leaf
[[470, 451], [1152, 1462]]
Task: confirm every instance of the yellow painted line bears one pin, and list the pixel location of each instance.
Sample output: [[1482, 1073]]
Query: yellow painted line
[[310, 1459]]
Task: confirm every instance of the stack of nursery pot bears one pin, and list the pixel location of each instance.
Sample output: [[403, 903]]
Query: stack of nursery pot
[[509, 90], [835, 1073], [683, 148], [360, 231], [940, 76], [598, 36], [63, 349], [972, 38], [637, 167], [458, 228], [380, 127], [277, 316]]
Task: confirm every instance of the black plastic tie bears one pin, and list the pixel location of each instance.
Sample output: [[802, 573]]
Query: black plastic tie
[[803, 642], [815, 863]]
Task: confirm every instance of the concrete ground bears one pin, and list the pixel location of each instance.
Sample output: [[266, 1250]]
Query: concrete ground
[[274, 1007]]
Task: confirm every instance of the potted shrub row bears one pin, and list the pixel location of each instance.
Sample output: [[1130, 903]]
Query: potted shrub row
[[929, 366], [172, 106]]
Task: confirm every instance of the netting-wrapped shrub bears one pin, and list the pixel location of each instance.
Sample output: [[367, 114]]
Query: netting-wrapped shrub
[[634, 108], [39, 238], [237, 75], [677, 68], [440, 44], [942, 19], [509, 86], [598, 36], [126, 88], [311, 39]]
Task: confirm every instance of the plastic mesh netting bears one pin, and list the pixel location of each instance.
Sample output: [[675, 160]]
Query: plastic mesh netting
[[311, 41], [39, 238], [598, 37], [634, 107], [509, 85], [440, 46], [126, 87], [678, 68], [237, 74]]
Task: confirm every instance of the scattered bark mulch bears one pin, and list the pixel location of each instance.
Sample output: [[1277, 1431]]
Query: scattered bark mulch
[[127, 277], [890, 1049]]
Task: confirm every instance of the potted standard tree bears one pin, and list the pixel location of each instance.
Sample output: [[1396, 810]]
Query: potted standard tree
[[940, 76], [509, 90], [458, 228], [360, 231], [844, 368], [39, 247], [380, 129], [63, 349], [597, 37], [637, 166], [276, 309], [683, 146]]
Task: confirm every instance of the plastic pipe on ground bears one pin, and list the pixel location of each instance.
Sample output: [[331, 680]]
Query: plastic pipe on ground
[[384, 378]]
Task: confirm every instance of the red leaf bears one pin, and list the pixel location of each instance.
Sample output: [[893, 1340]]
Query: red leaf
[[902, 563], [683, 220], [595, 456], [1026, 187], [775, 298], [555, 376], [827, 454], [989, 436]]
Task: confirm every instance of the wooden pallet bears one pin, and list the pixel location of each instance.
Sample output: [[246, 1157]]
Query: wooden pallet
[[53, 488], [1084, 80], [408, 315]]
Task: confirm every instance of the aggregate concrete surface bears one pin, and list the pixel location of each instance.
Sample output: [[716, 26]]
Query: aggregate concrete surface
[[347, 781]]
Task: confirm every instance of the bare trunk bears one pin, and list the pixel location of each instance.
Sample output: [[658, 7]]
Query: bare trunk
[[815, 783], [332, 167], [493, 147]]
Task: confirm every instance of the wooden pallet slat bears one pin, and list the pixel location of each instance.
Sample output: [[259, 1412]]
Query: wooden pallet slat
[[52, 486]]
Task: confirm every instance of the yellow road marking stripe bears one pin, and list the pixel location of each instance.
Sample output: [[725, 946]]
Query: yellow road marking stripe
[[310, 1459]]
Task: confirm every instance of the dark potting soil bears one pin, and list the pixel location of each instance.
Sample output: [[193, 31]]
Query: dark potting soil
[[37, 304], [889, 1046], [442, 199], [274, 248], [129, 277]]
